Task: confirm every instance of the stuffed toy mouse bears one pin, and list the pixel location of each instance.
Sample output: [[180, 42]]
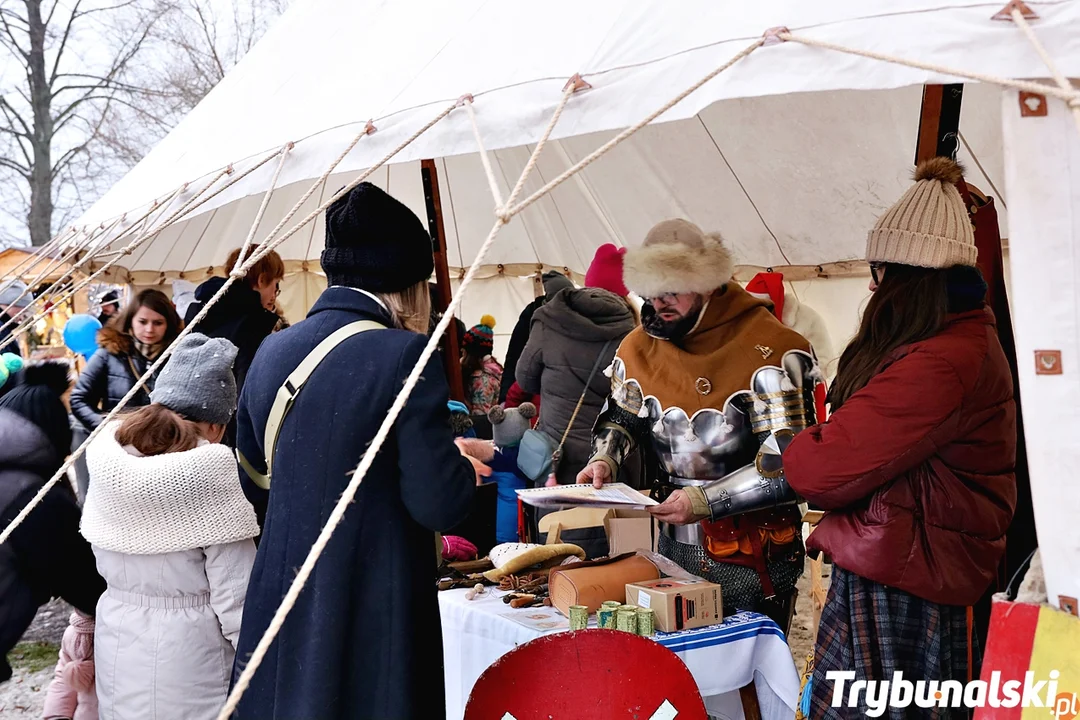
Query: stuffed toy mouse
[[508, 427]]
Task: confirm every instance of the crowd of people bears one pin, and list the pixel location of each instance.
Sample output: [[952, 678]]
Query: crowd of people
[[199, 503]]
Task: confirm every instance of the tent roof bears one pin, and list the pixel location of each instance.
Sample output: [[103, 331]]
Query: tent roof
[[778, 152]]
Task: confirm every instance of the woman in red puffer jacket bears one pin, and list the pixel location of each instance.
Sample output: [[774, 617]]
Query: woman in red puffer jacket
[[915, 466]]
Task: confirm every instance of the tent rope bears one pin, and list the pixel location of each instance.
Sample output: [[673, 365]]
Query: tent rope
[[19, 318], [1059, 78], [34, 258], [63, 257], [621, 137], [1068, 95], [493, 183], [503, 216], [265, 202], [266, 246], [338, 513], [189, 205], [504, 212], [142, 237]]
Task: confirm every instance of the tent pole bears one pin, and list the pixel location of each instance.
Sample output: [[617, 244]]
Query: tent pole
[[451, 350], [938, 135], [939, 122]]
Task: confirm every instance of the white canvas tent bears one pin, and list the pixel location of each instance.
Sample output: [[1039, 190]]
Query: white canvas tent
[[791, 152], [792, 168]]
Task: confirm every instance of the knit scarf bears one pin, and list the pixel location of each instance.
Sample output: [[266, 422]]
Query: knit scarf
[[150, 351], [163, 503], [736, 334]]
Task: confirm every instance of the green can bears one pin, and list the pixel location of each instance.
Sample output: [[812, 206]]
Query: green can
[[612, 604], [579, 617], [646, 622], [605, 617], [626, 619]]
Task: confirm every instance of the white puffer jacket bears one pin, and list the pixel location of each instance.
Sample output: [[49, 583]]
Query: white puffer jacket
[[173, 539]]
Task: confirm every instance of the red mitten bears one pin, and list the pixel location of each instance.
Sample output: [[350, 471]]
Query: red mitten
[[457, 549]]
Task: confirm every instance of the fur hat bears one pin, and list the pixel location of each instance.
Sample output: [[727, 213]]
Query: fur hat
[[509, 426], [606, 270], [929, 225], [678, 257], [375, 243], [481, 338]]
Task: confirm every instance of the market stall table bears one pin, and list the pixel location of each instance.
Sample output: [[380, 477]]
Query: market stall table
[[722, 658]]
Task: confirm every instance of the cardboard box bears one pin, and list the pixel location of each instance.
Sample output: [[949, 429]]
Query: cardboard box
[[628, 531], [678, 604]]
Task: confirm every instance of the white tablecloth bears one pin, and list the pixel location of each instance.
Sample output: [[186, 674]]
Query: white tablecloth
[[722, 658]]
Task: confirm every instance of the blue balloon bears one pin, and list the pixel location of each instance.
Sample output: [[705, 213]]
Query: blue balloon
[[80, 334]]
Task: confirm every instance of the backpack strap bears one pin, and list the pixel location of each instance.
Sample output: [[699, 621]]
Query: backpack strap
[[286, 395]]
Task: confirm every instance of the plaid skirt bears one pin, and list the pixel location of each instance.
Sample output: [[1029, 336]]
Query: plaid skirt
[[877, 630]]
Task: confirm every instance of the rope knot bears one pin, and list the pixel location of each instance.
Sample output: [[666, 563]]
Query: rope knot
[[503, 214]]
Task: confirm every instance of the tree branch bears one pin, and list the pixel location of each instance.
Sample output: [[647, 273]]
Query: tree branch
[[15, 167], [63, 39]]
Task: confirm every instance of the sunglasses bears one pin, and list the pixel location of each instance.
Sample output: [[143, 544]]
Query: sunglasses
[[664, 298], [876, 270]]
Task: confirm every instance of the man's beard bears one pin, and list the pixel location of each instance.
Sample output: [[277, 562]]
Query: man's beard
[[673, 330]]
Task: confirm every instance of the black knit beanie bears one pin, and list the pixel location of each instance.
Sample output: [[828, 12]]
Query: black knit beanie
[[375, 243], [36, 396]]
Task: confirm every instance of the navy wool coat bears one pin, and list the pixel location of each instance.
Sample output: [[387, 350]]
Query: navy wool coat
[[364, 639]]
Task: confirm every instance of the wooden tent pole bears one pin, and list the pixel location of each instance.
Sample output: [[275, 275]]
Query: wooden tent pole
[[450, 347], [939, 121]]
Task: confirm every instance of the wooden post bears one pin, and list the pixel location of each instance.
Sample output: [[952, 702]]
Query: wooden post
[[451, 350], [939, 121]]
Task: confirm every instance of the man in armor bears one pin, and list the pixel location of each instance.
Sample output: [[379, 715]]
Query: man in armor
[[711, 389]]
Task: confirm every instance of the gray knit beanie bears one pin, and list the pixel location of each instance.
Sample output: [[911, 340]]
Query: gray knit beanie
[[198, 380]]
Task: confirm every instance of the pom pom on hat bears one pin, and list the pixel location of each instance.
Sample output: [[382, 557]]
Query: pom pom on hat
[[939, 168], [12, 362], [481, 338]]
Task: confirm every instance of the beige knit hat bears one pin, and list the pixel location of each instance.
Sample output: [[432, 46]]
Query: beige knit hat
[[929, 225]]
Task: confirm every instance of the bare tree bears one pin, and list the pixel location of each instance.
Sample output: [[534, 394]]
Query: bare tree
[[196, 42], [73, 60]]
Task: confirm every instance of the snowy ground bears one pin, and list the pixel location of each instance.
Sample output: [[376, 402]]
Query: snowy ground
[[33, 661]]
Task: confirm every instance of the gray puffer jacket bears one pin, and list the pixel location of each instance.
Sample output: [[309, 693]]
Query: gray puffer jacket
[[568, 334]]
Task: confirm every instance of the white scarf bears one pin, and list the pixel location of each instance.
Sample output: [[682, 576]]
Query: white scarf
[[164, 503]]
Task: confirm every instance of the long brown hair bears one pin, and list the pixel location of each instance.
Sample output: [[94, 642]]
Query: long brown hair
[[156, 430], [154, 300], [910, 305]]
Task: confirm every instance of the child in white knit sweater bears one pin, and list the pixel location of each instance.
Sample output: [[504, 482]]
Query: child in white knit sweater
[[173, 535]]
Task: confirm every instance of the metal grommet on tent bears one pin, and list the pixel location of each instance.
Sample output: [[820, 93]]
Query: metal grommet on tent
[[369, 128]]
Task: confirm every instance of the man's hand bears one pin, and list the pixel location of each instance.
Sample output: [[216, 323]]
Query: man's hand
[[596, 473], [482, 471], [676, 510]]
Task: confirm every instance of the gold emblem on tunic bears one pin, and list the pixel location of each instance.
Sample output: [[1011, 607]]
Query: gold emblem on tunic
[[765, 351], [703, 386]]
